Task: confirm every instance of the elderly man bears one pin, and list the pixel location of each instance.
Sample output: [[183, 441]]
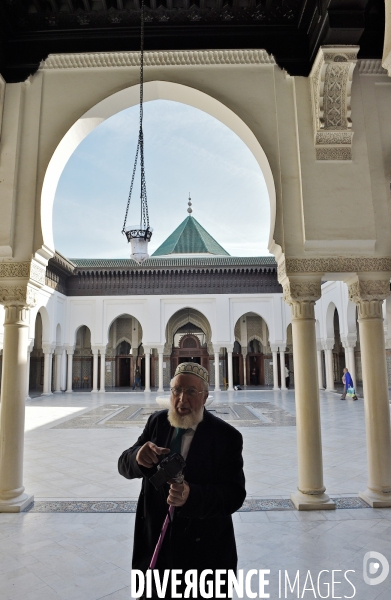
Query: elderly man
[[201, 534]]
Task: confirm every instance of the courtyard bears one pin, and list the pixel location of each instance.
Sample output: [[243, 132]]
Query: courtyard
[[75, 543]]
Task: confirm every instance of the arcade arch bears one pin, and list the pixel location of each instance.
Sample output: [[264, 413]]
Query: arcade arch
[[252, 365], [114, 103], [124, 352], [188, 338]]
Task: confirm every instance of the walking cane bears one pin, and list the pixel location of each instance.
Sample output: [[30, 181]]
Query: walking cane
[[167, 520]]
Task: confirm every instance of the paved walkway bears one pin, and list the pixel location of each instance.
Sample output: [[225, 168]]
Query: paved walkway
[[52, 556]]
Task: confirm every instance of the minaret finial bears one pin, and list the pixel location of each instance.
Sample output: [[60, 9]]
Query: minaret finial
[[189, 210]]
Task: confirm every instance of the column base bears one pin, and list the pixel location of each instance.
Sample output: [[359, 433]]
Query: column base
[[376, 500], [230, 389], [312, 502], [27, 398], [160, 390], [276, 389], [17, 505], [94, 391], [57, 392], [330, 390], [69, 391], [47, 394], [102, 391]]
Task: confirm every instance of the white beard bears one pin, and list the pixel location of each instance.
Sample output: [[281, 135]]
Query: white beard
[[185, 421]]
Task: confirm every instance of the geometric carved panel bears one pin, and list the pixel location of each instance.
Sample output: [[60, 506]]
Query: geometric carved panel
[[331, 83]]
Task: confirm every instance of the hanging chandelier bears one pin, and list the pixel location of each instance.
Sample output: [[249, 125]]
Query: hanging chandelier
[[139, 235]]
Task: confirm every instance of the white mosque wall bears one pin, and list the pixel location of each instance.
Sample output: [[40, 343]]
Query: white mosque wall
[[319, 208], [62, 316]]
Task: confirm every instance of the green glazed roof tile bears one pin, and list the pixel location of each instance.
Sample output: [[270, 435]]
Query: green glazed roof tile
[[151, 263], [190, 238]]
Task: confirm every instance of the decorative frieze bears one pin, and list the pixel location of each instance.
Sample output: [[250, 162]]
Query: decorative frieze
[[157, 59], [331, 81], [106, 282], [37, 272], [332, 265], [12, 269]]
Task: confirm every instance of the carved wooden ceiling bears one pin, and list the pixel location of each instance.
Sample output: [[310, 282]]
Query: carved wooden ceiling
[[291, 30]]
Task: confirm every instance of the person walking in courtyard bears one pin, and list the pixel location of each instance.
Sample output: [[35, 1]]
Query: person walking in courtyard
[[347, 383], [287, 377], [137, 379]]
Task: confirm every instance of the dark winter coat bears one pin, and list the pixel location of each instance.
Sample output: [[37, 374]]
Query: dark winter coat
[[202, 535]]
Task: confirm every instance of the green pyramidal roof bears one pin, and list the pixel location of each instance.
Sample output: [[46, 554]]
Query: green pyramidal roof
[[190, 238]]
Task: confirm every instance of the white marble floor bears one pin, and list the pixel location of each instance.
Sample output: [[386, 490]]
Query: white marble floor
[[82, 463], [88, 556]]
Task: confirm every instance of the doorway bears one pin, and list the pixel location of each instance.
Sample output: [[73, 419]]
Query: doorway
[[123, 371]]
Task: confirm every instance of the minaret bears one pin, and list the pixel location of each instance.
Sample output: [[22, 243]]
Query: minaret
[[189, 210]]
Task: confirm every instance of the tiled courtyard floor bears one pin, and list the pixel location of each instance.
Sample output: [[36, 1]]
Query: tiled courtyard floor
[[48, 556]]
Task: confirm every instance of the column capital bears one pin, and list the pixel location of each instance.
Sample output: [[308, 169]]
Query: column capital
[[328, 344], [20, 282], [301, 293], [349, 341], [95, 350], [58, 350], [216, 348], [48, 348], [147, 349], [274, 347], [70, 349], [160, 349], [369, 294], [102, 349], [229, 347], [282, 348]]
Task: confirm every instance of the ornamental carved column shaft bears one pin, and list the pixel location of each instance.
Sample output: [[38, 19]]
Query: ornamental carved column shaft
[[369, 294], [301, 293]]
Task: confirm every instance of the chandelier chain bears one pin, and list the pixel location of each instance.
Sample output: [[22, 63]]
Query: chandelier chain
[[144, 216]]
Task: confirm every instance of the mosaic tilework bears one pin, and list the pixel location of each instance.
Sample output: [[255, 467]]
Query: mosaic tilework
[[105, 506], [250, 414]]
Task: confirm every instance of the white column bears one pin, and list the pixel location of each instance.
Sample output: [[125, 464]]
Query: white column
[[63, 370], [57, 365], [319, 363], [160, 354], [368, 295], [230, 370], [244, 369], [12, 414], [301, 294], [95, 351], [147, 355], [102, 369], [29, 350], [328, 346], [217, 367], [282, 369], [70, 352], [274, 349], [47, 371]]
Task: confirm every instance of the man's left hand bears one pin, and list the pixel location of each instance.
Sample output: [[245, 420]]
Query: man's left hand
[[179, 493]]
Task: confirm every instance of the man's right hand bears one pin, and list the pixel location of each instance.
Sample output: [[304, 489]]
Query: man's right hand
[[148, 454]]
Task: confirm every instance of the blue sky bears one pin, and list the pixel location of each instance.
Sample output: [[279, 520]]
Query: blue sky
[[186, 150]]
